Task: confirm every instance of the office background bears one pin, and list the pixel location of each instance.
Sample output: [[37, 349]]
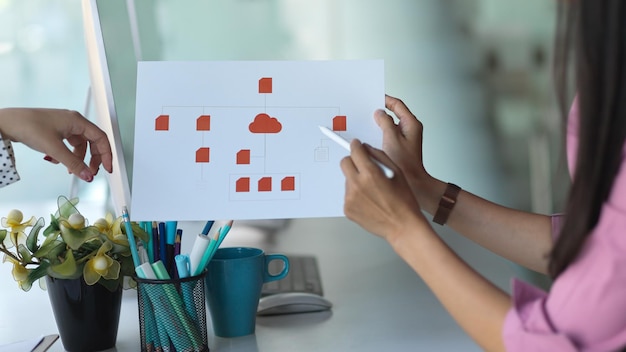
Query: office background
[[476, 72]]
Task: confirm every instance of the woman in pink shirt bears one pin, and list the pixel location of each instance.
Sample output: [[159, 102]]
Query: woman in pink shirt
[[583, 251]]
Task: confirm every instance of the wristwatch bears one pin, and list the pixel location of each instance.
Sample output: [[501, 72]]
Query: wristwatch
[[446, 203]]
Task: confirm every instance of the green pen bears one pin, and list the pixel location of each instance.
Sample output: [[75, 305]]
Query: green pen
[[160, 271]]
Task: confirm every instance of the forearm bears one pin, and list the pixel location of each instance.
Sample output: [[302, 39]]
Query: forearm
[[4, 120], [522, 237], [477, 305]]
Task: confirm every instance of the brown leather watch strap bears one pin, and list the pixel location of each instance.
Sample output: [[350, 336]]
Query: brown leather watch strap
[[447, 202]]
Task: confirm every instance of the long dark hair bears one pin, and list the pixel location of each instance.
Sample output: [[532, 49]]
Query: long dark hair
[[592, 33]]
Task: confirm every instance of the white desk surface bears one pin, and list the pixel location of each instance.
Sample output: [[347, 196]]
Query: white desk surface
[[379, 303]]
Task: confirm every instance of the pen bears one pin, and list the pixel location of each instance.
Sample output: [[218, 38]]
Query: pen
[[162, 243], [224, 231], [200, 246], [170, 229], [177, 243], [206, 256], [169, 259], [160, 271], [146, 244], [346, 145], [143, 254], [155, 243], [207, 227], [131, 237], [145, 271], [213, 245], [150, 245], [182, 265]]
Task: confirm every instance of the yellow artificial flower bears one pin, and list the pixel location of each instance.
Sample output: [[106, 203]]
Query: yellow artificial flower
[[20, 273], [14, 222], [71, 248], [101, 265], [75, 232], [112, 228], [76, 221]]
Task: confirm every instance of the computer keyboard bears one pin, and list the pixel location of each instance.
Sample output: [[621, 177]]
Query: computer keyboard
[[303, 276]]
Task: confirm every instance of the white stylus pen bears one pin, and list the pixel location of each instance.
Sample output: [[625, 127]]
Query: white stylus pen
[[346, 145]]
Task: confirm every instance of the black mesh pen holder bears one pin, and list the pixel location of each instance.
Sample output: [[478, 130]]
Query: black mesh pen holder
[[172, 314]]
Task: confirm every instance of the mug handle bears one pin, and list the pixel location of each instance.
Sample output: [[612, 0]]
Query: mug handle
[[270, 257]]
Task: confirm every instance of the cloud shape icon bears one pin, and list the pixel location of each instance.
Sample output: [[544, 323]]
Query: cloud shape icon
[[264, 123]]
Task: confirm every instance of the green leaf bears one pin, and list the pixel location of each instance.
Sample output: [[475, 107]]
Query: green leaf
[[53, 227], [24, 253], [3, 235], [51, 238], [87, 250], [66, 206], [31, 240], [138, 231], [66, 269], [34, 275], [75, 238], [50, 250]]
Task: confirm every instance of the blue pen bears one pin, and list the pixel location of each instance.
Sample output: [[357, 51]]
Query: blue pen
[[131, 237], [162, 242], [155, 243], [182, 268], [182, 265], [170, 229], [207, 227], [150, 245]]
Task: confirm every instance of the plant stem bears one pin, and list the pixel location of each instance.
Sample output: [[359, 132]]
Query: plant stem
[[4, 250]]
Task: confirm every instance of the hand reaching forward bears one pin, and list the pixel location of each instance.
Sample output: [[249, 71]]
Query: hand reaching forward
[[46, 130]]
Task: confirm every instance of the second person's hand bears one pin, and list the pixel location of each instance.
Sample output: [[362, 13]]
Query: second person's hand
[[47, 130]]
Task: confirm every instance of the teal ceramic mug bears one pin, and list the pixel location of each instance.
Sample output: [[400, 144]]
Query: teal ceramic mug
[[235, 277]]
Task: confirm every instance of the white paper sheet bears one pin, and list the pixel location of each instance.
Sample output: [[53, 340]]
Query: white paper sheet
[[240, 139]]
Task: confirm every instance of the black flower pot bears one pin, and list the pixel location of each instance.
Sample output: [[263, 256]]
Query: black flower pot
[[87, 316]]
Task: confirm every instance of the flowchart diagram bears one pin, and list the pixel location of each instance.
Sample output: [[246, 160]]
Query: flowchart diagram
[[239, 140]]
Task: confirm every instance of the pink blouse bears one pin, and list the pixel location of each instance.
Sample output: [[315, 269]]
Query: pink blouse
[[585, 309]]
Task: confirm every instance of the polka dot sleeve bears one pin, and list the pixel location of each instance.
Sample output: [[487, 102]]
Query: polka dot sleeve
[[8, 173]]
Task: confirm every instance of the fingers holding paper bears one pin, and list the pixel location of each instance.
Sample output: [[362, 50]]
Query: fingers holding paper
[[402, 142], [378, 204]]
